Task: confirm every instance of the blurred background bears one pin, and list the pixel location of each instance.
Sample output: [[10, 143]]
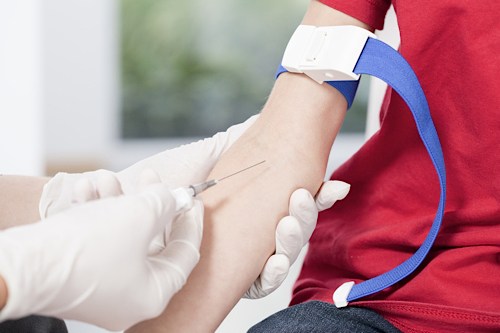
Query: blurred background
[[196, 67], [89, 84]]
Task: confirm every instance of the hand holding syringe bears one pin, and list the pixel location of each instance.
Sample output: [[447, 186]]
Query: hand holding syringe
[[184, 196]]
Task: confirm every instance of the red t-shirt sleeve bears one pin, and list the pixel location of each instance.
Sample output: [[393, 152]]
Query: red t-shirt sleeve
[[371, 12]]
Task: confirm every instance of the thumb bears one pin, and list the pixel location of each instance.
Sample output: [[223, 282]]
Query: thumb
[[330, 192], [222, 141], [289, 238], [160, 204], [146, 178], [274, 273], [181, 254]]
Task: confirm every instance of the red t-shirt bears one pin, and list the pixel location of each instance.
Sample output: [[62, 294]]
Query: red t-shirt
[[454, 48]]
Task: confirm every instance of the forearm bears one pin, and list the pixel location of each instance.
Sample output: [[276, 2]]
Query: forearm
[[241, 212], [19, 199], [3, 293], [294, 134]]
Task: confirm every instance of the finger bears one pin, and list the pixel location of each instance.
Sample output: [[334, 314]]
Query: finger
[[108, 185], [224, 140], [172, 267], [84, 191], [272, 276], [159, 208], [188, 226], [289, 238], [274, 273], [186, 231], [180, 258], [146, 178], [206, 152], [181, 253], [330, 192], [255, 290], [182, 249], [158, 243], [303, 208]]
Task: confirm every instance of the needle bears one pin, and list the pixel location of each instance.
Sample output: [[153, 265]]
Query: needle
[[198, 188], [251, 166], [184, 196]]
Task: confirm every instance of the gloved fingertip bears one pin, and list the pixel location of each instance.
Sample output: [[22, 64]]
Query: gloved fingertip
[[289, 236], [146, 178], [301, 195], [161, 201], [157, 245], [275, 272], [178, 259], [330, 192], [221, 142], [108, 185], [280, 263], [304, 209], [341, 188], [242, 127], [301, 201], [189, 225], [84, 191]]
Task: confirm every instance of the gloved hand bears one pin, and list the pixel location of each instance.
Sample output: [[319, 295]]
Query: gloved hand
[[293, 233], [90, 263], [188, 164], [179, 167]]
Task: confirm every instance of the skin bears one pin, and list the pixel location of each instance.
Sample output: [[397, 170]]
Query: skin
[[19, 198], [294, 134], [3, 293]]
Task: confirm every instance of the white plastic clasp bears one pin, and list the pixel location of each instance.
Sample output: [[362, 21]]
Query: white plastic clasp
[[325, 53], [340, 295]]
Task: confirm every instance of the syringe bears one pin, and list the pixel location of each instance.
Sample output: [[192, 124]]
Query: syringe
[[184, 195]]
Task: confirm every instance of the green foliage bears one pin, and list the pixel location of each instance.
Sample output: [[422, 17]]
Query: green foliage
[[193, 67]]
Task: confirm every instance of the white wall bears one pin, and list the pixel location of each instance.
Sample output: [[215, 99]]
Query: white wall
[[81, 80], [58, 84], [21, 133]]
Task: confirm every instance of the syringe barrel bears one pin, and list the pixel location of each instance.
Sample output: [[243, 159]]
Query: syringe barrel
[[184, 196], [183, 199]]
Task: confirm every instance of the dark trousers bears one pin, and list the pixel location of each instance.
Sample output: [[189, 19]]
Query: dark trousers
[[33, 324], [322, 317]]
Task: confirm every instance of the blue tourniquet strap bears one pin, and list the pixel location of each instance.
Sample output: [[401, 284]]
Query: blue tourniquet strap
[[347, 88], [380, 60]]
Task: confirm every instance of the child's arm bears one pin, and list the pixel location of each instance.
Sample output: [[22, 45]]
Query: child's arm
[[294, 134]]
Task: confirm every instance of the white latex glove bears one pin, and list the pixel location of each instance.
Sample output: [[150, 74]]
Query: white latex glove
[[179, 167], [107, 185], [293, 233], [90, 263]]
